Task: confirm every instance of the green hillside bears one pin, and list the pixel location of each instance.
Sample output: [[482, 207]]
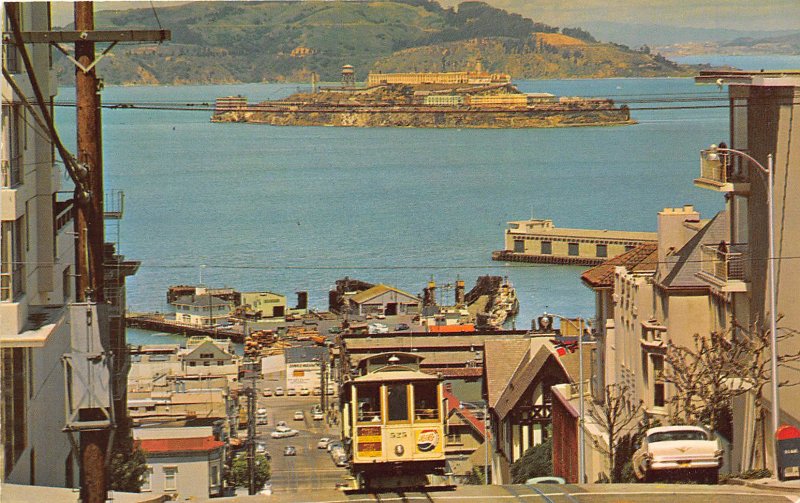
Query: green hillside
[[227, 42]]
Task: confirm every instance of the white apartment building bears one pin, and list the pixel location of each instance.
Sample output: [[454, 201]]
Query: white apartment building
[[36, 275]]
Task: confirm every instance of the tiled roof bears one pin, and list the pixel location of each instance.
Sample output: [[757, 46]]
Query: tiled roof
[[688, 260], [376, 290], [164, 445], [501, 358], [642, 258]]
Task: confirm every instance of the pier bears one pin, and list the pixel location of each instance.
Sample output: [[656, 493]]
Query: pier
[[158, 323], [539, 241]]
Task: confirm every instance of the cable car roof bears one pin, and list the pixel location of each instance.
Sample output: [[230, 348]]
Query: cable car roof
[[402, 374]]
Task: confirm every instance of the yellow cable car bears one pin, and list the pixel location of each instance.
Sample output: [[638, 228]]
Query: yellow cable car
[[394, 420]]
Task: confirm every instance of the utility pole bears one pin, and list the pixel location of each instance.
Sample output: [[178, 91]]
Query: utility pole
[[322, 385], [87, 173], [251, 434]]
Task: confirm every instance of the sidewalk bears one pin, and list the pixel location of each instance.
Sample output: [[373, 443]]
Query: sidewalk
[[786, 486]]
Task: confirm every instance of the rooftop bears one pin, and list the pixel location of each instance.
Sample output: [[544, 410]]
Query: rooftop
[[642, 258]]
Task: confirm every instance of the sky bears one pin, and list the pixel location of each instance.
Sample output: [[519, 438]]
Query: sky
[[732, 14]]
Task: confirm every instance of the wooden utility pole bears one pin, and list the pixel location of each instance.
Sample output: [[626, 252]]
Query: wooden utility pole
[[89, 224]]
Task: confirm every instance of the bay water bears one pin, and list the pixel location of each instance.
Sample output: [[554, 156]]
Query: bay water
[[284, 209]]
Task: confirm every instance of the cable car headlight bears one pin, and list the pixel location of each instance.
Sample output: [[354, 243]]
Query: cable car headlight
[[398, 449]]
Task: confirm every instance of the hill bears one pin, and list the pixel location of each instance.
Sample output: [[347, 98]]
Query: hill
[[228, 42]]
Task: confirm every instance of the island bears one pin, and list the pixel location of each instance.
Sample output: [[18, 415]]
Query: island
[[465, 99]]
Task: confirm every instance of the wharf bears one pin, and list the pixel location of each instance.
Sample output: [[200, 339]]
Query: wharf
[[158, 323]]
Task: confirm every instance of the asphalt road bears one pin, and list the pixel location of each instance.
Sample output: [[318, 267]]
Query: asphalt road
[[312, 468], [547, 493]]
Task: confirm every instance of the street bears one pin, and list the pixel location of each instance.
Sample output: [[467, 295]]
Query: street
[[312, 468]]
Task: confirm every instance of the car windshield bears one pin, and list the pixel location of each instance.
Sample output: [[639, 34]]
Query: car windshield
[[667, 436]]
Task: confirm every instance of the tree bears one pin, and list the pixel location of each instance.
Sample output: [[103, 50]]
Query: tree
[[536, 462], [238, 476], [612, 416], [127, 465], [719, 368]]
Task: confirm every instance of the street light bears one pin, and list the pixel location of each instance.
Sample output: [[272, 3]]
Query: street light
[[581, 411], [712, 155]]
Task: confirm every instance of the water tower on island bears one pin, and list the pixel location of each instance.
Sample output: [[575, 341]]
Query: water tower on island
[[348, 76]]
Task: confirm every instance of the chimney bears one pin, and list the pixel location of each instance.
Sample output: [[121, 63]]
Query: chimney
[[672, 234]]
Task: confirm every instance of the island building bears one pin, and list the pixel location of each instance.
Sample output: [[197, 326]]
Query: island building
[[203, 310], [539, 241], [230, 104], [477, 76]]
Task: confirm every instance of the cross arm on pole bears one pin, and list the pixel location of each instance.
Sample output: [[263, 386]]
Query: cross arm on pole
[[46, 37]]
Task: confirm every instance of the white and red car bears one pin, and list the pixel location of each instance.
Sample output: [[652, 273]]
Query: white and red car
[[678, 449]]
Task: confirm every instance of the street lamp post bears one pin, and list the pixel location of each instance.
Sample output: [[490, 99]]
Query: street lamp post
[[769, 171], [581, 410]]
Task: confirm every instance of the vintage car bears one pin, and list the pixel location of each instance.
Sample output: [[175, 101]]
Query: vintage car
[[677, 450]]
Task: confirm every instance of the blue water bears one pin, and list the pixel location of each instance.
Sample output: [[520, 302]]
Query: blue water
[[295, 208]]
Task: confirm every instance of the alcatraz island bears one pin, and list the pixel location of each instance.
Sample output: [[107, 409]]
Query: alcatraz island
[[464, 99]]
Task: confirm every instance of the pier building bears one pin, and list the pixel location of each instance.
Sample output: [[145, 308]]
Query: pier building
[[539, 241]]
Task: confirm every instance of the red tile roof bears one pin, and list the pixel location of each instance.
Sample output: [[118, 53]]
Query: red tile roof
[[642, 258], [162, 445], [454, 403]]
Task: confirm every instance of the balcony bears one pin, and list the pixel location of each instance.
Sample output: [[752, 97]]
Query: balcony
[[724, 268], [721, 173]]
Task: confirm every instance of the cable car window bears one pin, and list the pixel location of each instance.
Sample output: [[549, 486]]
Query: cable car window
[[369, 404], [397, 400], [425, 401]]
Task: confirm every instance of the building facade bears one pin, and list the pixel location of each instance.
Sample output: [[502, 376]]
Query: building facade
[[761, 124], [201, 310], [37, 270], [270, 305]]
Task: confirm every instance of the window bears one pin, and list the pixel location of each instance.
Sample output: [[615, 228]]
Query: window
[[425, 401], [220, 363], [206, 355], [519, 246], [12, 268], [454, 438], [170, 478], [397, 400], [547, 247], [573, 249], [13, 405], [147, 480], [215, 475], [658, 381], [602, 250], [369, 404], [13, 131]]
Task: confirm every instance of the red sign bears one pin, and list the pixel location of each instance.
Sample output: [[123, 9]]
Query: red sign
[[787, 432]]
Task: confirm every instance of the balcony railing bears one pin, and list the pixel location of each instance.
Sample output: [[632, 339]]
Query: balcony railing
[[720, 171], [724, 265]]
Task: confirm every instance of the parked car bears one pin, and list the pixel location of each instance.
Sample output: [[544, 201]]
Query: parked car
[[401, 326], [380, 316], [378, 328], [330, 390], [299, 416], [261, 416], [267, 392], [278, 391], [266, 490], [684, 449], [317, 391], [323, 443], [309, 322], [281, 423], [341, 460], [289, 450], [261, 448], [304, 391], [335, 443], [290, 392], [283, 434], [318, 416], [282, 428], [335, 330]]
